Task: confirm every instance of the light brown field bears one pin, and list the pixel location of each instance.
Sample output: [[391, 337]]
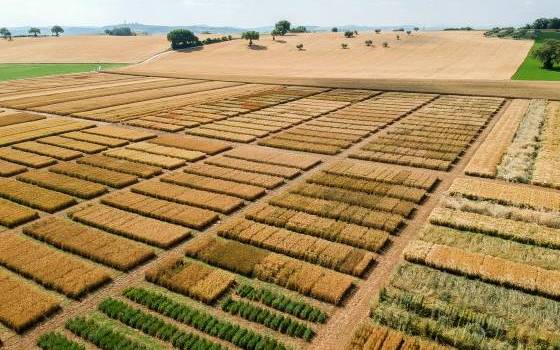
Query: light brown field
[[423, 55], [82, 49]]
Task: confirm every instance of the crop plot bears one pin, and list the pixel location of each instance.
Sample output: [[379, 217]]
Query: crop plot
[[254, 125], [329, 228], [485, 239], [435, 136], [338, 130], [523, 147], [155, 225], [194, 115]]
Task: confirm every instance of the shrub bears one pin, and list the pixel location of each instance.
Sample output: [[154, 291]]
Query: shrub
[[408, 32], [385, 44], [299, 29], [416, 29], [299, 46], [344, 45], [378, 31], [369, 42], [182, 39], [334, 30], [348, 34], [35, 31], [398, 37]]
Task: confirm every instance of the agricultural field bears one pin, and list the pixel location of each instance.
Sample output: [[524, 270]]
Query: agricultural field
[[143, 212], [422, 55]]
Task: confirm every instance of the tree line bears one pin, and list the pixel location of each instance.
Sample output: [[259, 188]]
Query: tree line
[[544, 23], [56, 30]]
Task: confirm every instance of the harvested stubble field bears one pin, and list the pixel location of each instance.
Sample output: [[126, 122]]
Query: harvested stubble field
[[426, 55], [216, 215]]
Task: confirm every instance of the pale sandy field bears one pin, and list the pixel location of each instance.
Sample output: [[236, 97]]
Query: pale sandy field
[[423, 55], [82, 49]]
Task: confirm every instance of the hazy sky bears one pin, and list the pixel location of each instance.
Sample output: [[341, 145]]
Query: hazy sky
[[253, 13]]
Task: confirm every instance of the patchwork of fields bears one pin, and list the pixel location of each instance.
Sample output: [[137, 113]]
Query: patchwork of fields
[[149, 213]]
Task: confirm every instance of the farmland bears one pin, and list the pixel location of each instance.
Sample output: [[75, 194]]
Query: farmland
[[422, 55], [159, 212]]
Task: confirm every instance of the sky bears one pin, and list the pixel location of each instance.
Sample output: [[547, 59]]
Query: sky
[[256, 13]]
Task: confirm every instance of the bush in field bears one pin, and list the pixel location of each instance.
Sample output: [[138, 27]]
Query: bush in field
[[408, 32], [182, 39], [378, 31], [385, 44], [344, 45], [416, 29], [251, 35], [283, 27], [369, 42], [57, 30], [35, 31], [349, 34], [398, 37], [334, 30], [299, 47], [548, 53]]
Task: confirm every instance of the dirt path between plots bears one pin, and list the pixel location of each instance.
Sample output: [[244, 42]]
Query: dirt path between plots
[[342, 323], [341, 326]]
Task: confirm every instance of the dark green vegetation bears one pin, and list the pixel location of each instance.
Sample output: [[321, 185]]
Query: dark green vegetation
[[532, 68], [102, 336], [121, 31], [9, 71], [57, 341], [251, 35], [154, 326], [202, 321], [184, 39], [269, 319], [282, 303]]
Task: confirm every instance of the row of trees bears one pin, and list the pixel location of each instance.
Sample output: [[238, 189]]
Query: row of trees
[[55, 30], [544, 23], [184, 38]]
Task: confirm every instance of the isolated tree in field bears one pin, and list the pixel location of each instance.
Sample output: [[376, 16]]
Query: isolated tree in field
[[299, 47], [182, 38], [344, 45], [416, 29], [398, 37], [408, 32], [385, 44], [349, 34], [34, 31], [378, 31], [251, 35], [283, 27], [3, 32], [334, 30], [548, 53], [56, 30], [275, 33], [369, 42]]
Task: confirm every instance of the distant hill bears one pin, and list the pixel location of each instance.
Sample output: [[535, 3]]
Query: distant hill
[[156, 29]]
